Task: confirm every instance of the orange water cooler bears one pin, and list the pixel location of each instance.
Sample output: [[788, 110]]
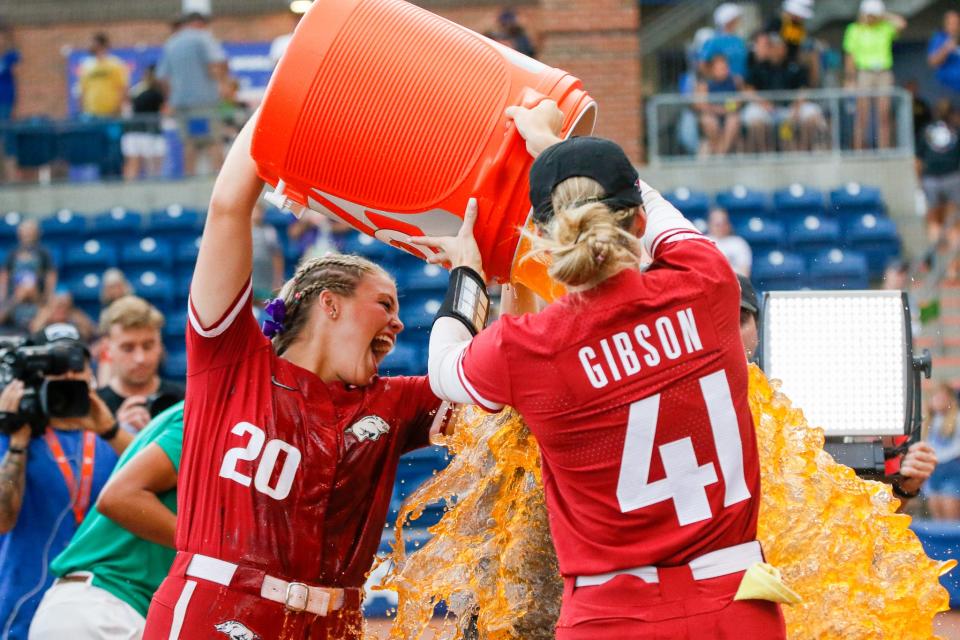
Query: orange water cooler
[[389, 118]]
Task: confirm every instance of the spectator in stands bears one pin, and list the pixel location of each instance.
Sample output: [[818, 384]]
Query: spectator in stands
[[514, 33], [43, 501], [791, 26], [113, 286], [233, 111], [940, 429], [29, 256], [60, 309], [922, 113], [135, 391], [943, 53], [279, 44], [800, 123], [720, 120], [268, 268], [731, 245], [192, 66], [725, 41], [938, 160], [9, 59], [107, 574], [749, 318], [868, 45], [103, 80], [18, 310], [143, 144]]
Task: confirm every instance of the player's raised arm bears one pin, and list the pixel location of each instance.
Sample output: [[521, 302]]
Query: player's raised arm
[[226, 251]]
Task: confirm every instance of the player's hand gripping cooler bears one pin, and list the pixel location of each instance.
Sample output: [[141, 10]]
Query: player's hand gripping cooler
[[389, 118]]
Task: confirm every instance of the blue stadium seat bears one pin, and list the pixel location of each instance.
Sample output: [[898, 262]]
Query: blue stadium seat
[[118, 223], [175, 223], [175, 331], [778, 270], [797, 197], [279, 219], [181, 287], [85, 287], [155, 286], [404, 360], [740, 200], [65, 225], [854, 197], [369, 247], [185, 253], [762, 235], [149, 253], [91, 254], [424, 277], [877, 238], [692, 204], [175, 365], [839, 269], [417, 312], [814, 235], [8, 229]]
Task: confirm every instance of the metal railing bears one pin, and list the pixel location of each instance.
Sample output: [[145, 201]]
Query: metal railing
[[778, 125]]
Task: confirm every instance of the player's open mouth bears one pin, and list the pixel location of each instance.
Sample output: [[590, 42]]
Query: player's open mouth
[[382, 345]]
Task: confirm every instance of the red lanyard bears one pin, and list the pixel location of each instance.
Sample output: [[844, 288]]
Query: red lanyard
[[81, 496]]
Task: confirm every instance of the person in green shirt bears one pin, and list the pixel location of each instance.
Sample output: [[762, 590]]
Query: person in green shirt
[[124, 548], [868, 65]]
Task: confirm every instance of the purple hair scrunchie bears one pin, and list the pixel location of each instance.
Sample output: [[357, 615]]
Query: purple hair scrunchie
[[276, 311]]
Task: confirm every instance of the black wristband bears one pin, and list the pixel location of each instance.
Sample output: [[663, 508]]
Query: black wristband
[[900, 493], [111, 433], [466, 300], [17, 451]]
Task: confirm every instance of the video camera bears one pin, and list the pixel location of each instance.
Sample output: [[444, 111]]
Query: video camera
[[22, 359]]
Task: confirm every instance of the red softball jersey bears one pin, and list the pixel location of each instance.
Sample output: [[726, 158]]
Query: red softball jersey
[[636, 391], [284, 472]]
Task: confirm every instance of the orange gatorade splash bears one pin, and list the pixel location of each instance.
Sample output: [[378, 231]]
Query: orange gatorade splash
[[838, 540], [389, 118]]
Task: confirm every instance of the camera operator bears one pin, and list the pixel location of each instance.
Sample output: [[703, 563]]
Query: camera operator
[[134, 391], [53, 468]]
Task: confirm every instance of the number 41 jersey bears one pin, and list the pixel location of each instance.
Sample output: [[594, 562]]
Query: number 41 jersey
[[636, 391]]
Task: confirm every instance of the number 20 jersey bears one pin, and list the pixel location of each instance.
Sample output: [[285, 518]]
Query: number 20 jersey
[[636, 391], [281, 471]]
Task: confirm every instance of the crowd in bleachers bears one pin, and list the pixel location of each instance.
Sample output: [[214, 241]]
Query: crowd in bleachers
[[729, 74]]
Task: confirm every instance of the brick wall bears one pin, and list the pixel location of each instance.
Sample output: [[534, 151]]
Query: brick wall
[[596, 40]]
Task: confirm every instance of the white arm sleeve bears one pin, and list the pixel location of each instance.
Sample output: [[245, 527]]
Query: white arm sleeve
[[448, 340], [661, 218]]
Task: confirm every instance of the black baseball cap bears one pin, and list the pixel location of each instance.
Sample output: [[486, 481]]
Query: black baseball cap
[[748, 296], [59, 333], [589, 157]]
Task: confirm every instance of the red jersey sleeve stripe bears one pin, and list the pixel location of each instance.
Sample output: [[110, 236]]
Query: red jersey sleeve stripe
[[492, 407], [226, 320]]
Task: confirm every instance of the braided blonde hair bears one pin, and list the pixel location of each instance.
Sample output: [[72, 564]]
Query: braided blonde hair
[[587, 242], [334, 272]]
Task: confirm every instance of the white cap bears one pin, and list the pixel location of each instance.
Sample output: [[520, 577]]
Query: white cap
[[726, 13], [872, 8], [800, 8]]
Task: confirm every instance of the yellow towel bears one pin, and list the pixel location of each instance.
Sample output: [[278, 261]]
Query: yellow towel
[[762, 581]]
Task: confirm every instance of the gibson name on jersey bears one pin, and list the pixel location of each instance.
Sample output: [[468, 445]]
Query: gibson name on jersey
[[646, 345]]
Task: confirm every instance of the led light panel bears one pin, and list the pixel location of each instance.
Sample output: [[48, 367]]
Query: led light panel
[[843, 357]]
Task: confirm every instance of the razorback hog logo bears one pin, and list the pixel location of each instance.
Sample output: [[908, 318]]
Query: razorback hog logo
[[236, 630], [369, 428]]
